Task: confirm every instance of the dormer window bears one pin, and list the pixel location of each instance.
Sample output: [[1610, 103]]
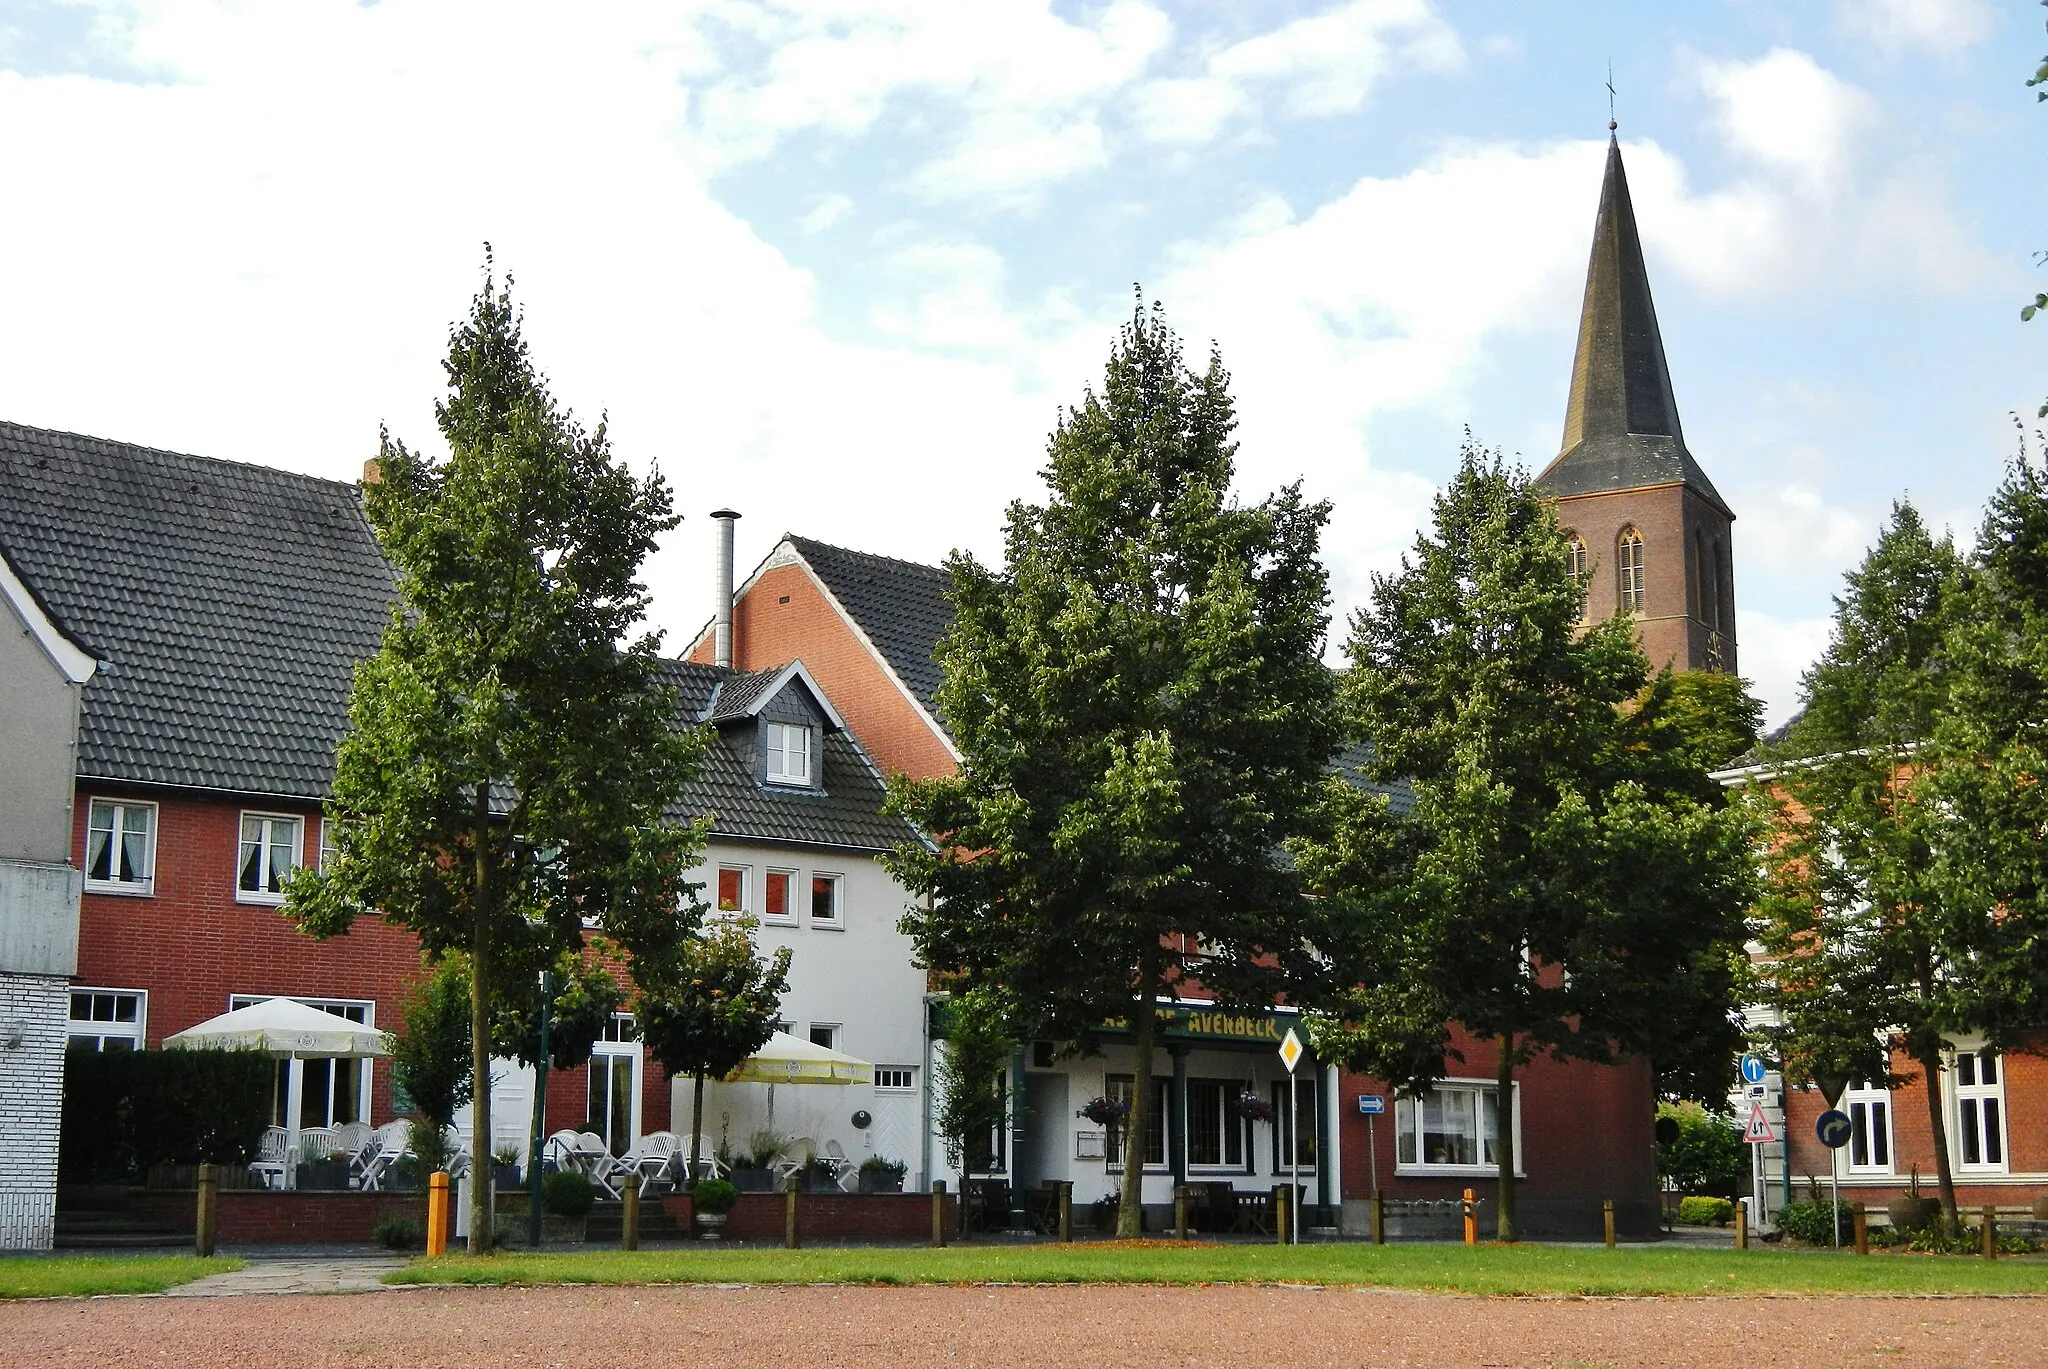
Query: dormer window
[[789, 754]]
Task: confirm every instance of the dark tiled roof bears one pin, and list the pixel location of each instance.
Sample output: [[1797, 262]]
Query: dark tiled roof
[[1354, 763], [740, 692], [901, 605], [1621, 429], [228, 603]]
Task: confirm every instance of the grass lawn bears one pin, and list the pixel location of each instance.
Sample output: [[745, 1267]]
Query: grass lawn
[[1503, 1270], [78, 1276]]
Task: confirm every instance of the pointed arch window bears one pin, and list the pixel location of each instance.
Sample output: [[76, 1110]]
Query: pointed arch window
[[1628, 562], [1575, 553]]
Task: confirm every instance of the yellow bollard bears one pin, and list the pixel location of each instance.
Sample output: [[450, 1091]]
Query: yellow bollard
[[1859, 1218], [1607, 1220], [629, 1217], [437, 1213], [1379, 1218], [1471, 1207]]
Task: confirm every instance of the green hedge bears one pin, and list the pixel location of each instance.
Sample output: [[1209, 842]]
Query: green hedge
[[127, 1110], [1814, 1223], [1701, 1211]]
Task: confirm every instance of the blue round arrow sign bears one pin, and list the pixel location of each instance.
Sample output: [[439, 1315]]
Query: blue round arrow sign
[[1834, 1128], [1752, 1070]]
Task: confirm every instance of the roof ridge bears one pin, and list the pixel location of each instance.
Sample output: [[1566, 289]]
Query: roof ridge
[[801, 541], [10, 426]]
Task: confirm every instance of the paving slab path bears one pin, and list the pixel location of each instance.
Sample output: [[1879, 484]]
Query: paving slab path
[[1040, 1328], [350, 1274]]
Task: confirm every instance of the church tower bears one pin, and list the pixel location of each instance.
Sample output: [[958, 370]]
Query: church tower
[[1647, 527]]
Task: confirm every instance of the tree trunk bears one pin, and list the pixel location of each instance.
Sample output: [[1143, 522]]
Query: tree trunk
[[696, 1126], [1504, 1142], [1937, 1121], [1130, 1212], [480, 1222]]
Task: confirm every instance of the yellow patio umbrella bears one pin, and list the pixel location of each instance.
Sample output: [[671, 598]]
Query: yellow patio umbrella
[[790, 1060]]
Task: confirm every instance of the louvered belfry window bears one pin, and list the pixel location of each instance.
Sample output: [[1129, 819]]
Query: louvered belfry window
[[1629, 563]]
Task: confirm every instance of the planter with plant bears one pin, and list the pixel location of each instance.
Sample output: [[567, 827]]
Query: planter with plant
[[753, 1168], [1911, 1211], [881, 1175], [1252, 1108], [710, 1201], [505, 1167], [566, 1199]]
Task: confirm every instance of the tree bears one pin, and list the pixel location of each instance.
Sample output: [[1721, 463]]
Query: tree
[[510, 758], [1867, 950], [431, 1057], [1143, 715], [1567, 882], [1707, 1155], [714, 1008], [968, 1102]]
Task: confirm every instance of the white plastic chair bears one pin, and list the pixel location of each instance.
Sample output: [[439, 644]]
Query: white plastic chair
[[650, 1157], [273, 1157], [842, 1168], [318, 1143], [794, 1157], [708, 1166], [597, 1159], [387, 1148], [352, 1139], [565, 1149]]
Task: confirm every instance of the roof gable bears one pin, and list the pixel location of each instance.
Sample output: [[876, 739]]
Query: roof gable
[[744, 694]]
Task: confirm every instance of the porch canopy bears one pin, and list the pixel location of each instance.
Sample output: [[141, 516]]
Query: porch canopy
[[291, 1031], [788, 1059]]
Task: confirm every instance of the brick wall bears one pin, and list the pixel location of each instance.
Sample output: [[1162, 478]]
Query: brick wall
[[784, 616], [260, 1217], [827, 1216], [31, 1091], [1668, 517]]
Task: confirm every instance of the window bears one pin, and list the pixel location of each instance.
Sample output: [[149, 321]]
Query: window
[[778, 892], [732, 888], [1216, 1133], [1980, 1110], [120, 847], [1628, 563], [614, 1096], [825, 1034], [789, 754], [895, 1078], [1870, 1117], [106, 1020], [327, 850], [331, 1090], [270, 852], [1454, 1126], [1304, 1120], [825, 898], [1121, 1086], [1575, 554]]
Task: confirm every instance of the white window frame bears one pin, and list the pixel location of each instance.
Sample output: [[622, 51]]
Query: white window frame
[[621, 1040], [136, 1033], [1973, 1097], [1868, 1105], [746, 874], [788, 914], [836, 922], [832, 1029], [895, 1079], [368, 1007], [1405, 1111], [128, 888], [298, 822], [779, 768], [1116, 1145], [1229, 1124]]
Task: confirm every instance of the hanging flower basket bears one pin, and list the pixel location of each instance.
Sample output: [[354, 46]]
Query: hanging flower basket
[[1252, 1108], [1106, 1111]]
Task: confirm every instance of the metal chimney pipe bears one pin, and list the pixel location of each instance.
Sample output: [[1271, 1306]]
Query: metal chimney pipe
[[721, 630]]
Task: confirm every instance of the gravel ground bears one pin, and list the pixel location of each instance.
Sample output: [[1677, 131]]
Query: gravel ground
[[1073, 1328]]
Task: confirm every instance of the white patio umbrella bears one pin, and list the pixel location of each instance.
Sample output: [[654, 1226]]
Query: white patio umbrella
[[790, 1060], [291, 1031]]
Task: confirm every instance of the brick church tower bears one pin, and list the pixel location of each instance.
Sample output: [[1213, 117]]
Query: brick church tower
[[1647, 527]]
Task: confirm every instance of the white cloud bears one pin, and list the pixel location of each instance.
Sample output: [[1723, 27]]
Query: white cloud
[[1773, 653], [1329, 63], [829, 210], [1895, 26], [1792, 531], [1786, 112]]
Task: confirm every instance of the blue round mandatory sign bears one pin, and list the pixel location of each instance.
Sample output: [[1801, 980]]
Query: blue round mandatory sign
[[1834, 1128], [1752, 1069]]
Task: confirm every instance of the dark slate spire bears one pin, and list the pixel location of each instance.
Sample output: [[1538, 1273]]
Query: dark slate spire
[[1621, 427]]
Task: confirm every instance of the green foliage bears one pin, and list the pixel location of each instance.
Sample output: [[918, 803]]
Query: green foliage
[[1700, 720], [124, 1111], [1709, 1155], [719, 1002], [762, 1149], [566, 1193], [882, 1165], [1568, 882], [713, 1196], [511, 757], [430, 1055], [398, 1233], [1699, 1210], [587, 994], [1814, 1222], [968, 1099], [1143, 714]]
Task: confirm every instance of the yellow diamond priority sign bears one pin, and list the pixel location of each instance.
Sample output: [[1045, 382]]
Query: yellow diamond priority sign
[[1290, 1050]]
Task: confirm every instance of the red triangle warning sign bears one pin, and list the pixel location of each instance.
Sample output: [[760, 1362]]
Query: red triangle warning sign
[[1759, 1129]]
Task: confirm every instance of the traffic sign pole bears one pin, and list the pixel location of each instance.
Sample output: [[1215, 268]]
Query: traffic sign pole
[[1290, 1056]]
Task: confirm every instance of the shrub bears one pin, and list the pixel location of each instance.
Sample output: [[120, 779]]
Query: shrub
[[879, 1164], [124, 1111], [762, 1149], [713, 1196], [398, 1233], [1708, 1155], [1814, 1223], [1697, 1210], [566, 1193]]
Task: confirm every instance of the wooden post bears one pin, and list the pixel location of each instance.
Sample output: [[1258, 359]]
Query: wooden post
[[1990, 1232], [1066, 1211], [209, 1210], [789, 1212], [1283, 1198], [1471, 1206], [1180, 1212], [437, 1213], [1379, 1215], [1607, 1220], [1859, 1224], [939, 1213], [629, 1216], [1741, 1224]]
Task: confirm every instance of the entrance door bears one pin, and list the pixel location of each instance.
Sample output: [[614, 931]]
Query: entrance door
[[1042, 1154]]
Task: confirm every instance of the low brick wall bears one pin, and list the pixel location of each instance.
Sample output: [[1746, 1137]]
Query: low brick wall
[[283, 1218], [827, 1216]]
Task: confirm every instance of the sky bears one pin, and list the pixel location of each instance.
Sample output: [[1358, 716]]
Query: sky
[[840, 264]]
